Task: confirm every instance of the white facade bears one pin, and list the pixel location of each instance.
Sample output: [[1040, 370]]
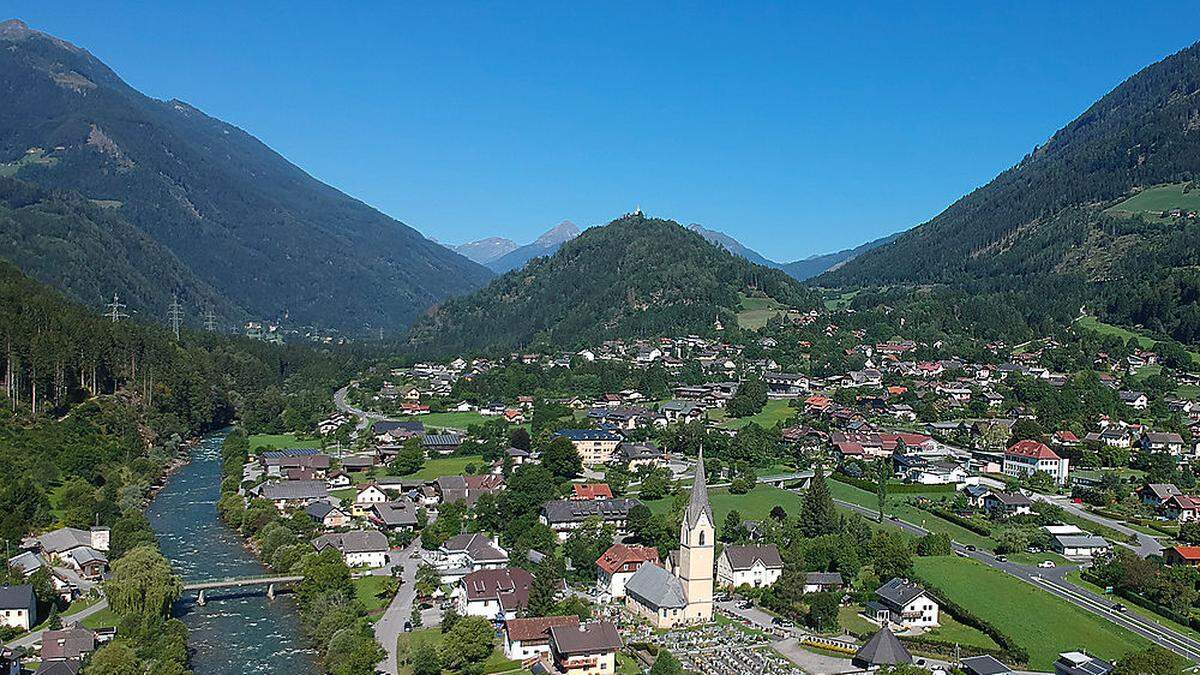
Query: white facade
[[1019, 466], [756, 575]]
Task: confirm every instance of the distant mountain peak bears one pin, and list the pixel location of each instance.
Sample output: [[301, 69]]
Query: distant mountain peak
[[559, 234]]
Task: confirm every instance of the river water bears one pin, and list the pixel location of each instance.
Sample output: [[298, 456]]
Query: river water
[[237, 632]]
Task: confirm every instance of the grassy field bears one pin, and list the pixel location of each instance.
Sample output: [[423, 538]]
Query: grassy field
[[1041, 623], [754, 505], [1075, 578], [367, 590], [448, 420], [259, 441], [755, 312], [951, 630], [1152, 201], [1146, 341], [840, 301], [776, 410], [897, 506], [447, 466], [496, 663], [105, 618]]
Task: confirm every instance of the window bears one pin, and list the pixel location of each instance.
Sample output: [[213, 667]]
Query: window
[[701, 537]]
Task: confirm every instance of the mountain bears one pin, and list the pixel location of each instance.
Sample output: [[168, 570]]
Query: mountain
[[1102, 217], [267, 237], [485, 251], [544, 245], [635, 277], [732, 245], [803, 270]]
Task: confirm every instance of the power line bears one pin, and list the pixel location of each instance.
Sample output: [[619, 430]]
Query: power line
[[175, 314], [210, 320], [116, 309]]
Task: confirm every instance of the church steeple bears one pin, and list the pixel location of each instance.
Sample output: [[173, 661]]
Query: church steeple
[[698, 504]]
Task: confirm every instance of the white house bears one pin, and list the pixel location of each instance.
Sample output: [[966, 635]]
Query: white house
[[18, 607], [1027, 457], [359, 548], [530, 638], [749, 565], [367, 497], [904, 604], [618, 563], [494, 593]]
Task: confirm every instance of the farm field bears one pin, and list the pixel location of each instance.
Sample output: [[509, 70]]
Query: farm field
[[1152, 201], [278, 441], [775, 411], [754, 505], [757, 311], [897, 506], [1041, 623], [1093, 324]]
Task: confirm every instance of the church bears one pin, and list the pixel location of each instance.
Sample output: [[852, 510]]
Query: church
[[681, 593]]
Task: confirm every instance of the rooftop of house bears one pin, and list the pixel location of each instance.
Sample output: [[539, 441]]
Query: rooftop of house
[[586, 638], [745, 557]]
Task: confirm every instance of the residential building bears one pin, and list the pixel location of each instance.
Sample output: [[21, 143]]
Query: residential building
[[529, 638], [330, 516], [289, 494], [1182, 508], [1182, 555], [564, 515], [468, 552], [394, 516], [359, 548], [985, 664], [1157, 494], [367, 497], [18, 607], [1162, 441], [1007, 504], [586, 649], [590, 491], [615, 566], [636, 455], [902, 603], [595, 446], [749, 565], [1079, 545], [818, 582], [494, 594], [1027, 457], [68, 644]]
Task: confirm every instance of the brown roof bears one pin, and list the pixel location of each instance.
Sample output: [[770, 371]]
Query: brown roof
[[509, 585], [69, 643], [587, 638], [535, 629], [621, 557], [743, 557]]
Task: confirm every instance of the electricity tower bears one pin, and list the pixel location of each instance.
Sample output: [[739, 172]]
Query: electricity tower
[[116, 309], [175, 315], [210, 320]]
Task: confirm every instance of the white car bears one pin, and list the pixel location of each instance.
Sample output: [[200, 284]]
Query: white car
[[1046, 564]]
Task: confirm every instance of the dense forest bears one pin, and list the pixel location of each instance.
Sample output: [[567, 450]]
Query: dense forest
[[635, 277], [93, 411], [263, 233]]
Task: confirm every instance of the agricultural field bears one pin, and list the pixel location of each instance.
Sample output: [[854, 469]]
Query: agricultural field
[[448, 420], [754, 505], [755, 312], [898, 506], [775, 411], [1042, 624], [1153, 201]]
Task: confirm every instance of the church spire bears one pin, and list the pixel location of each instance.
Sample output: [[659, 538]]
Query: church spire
[[698, 504]]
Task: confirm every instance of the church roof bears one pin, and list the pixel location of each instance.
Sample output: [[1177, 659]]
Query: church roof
[[883, 649], [698, 504], [656, 588]]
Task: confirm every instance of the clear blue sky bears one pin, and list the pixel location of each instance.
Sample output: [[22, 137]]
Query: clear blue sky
[[796, 129]]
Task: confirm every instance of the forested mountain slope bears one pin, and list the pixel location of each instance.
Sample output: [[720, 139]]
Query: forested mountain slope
[[810, 267], [635, 277], [260, 231], [1057, 231]]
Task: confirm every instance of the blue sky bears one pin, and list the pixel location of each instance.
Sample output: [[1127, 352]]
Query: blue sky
[[797, 129]]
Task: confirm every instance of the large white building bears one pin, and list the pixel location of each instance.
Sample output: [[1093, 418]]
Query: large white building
[[749, 566], [359, 548], [902, 603], [1027, 457]]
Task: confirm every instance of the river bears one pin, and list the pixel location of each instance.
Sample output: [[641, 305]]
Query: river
[[237, 632]]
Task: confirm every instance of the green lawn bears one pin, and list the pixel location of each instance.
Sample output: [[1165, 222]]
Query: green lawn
[[755, 312], [897, 506], [496, 663], [367, 590], [1146, 341], [952, 631], [776, 410], [852, 621], [448, 420], [448, 466], [1041, 623], [258, 441], [1159, 198], [105, 618], [754, 505]]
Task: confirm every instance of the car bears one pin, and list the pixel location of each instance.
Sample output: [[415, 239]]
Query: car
[[1001, 558], [407, 626], [1046, 564], [1118, 608], [971, 547], [962, 554]]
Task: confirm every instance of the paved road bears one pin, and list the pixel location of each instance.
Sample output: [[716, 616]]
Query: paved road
[[1054, 581], [391, 624], [1146, 546], [36, 638]]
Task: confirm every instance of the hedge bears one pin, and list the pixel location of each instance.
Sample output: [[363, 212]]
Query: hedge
[[947, 514], [1011, 650]]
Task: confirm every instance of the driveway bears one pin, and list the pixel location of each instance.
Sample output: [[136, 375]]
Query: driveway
[[36, 638], [389, 626]]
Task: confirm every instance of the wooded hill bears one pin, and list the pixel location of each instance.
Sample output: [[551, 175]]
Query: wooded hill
[[258, 230], [635, 277], [1041, 230]]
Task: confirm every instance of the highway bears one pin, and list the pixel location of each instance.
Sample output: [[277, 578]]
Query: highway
[[1054, 581]]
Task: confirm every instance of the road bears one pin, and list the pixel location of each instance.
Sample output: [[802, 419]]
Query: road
[[36, 638], [1146, 546], [364, 418], [389, 626], [1054, 581]]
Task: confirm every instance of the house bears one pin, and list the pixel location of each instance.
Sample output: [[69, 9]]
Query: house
[[1134, 399], [749, 565], [494, 594], [680, 412], [390, 432], [615, 566], [1182, 555], [1157, 494], [394, 516], [82, 550], [519, 456], [468, 552], [359, 548], [330, 516], [1079, 545], [530, 638], [564, 515], [1162, 441], [289, 494], [595, 446], [636, 455], [904, 604], [985, 664], [357, 463], [338, 479], [467, 489], [590, 491], [1183, 508], [68, 644], [819, 582], [90, 563], [366, 497], [1007, 504], [785, 385], [277, 463], [441, 444], [18, 607], [1078, 663], [586, 649], [1027, 457]]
